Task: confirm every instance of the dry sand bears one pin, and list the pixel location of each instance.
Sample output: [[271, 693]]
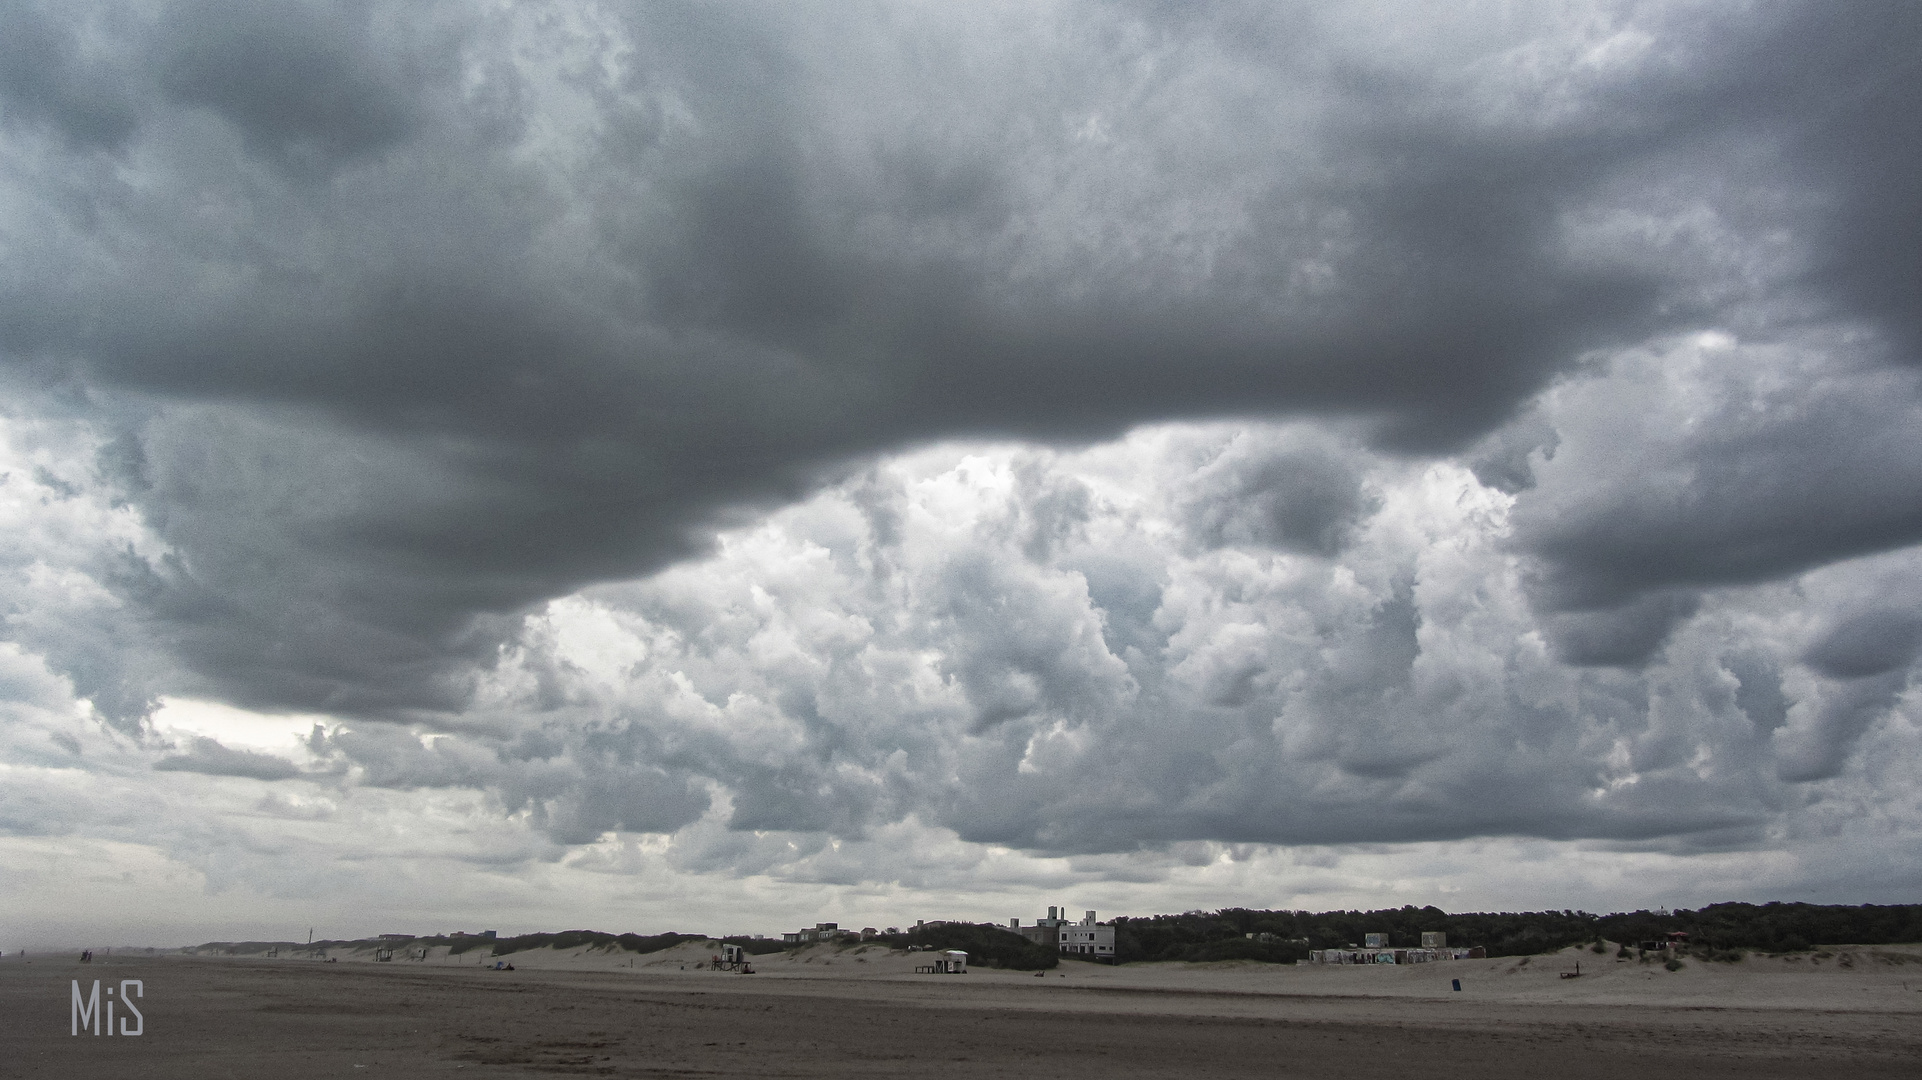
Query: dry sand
[[860, 1011]]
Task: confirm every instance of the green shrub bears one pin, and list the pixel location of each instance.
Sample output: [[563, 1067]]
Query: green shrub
[[1673, 964]]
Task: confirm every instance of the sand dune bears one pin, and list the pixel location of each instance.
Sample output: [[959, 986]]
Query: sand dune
[[1878, 977]]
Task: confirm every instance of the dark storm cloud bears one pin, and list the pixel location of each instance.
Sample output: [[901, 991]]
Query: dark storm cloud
[[1810, 474], [400, 320], [51, 74], [1303, 499], [1818, 474], [1705, 465], [1820, 749], [1626, 635], [304, 84], [1868, 644], [575, 782], [1868, 656], [1862, 139]]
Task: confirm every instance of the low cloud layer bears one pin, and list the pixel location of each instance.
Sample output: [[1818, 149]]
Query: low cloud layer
[[1077, 430], [1047, 651], [209, 757]]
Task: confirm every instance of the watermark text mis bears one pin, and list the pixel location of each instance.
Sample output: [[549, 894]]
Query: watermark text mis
[[87, 1010]]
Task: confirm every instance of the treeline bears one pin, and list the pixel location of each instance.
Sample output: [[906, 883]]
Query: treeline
[[1285, 936], [568, 939], [463, 943], [1774, 927], [986, 944], [1280, 937]]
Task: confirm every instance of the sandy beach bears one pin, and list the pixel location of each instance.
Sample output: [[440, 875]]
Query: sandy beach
[[861, 1011]]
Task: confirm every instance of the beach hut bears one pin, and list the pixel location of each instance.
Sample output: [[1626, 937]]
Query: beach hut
[[951, 962]]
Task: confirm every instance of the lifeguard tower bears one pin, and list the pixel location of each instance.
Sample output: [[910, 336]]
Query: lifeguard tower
[[732, 958]]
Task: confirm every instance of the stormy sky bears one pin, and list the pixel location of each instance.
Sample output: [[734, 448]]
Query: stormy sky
[[718, 467]]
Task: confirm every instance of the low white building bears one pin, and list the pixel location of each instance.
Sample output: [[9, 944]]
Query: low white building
[[822, 932], [1390, 956], [1089, 937]]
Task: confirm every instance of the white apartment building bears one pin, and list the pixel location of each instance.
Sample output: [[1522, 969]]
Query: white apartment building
[[1088, 937]]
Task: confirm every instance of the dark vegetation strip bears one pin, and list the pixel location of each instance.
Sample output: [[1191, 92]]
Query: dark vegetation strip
[[1286, 936]]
